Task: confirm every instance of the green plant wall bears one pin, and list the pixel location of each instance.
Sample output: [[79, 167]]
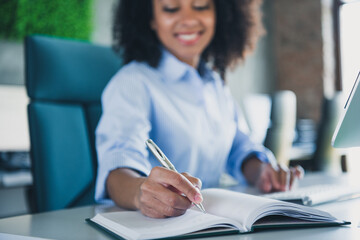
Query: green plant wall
[[64, 18]]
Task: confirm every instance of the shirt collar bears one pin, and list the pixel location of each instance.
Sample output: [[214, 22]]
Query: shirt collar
[[175, 70]]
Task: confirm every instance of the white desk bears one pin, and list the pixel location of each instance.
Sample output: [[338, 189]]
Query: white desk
[[70, 223]]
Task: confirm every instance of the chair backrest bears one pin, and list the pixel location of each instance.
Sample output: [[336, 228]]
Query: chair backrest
[[64, 81]]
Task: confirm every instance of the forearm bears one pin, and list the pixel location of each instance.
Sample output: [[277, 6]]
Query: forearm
[[123, 186]]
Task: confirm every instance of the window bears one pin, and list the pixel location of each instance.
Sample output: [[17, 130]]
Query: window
[[348, 35]]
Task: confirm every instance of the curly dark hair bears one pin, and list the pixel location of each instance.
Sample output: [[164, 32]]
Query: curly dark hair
[[238, 27]]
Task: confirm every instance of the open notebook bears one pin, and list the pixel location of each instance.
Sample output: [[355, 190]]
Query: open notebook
[[228, 212]]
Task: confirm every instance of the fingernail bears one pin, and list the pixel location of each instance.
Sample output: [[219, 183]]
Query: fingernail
[[198, 198]]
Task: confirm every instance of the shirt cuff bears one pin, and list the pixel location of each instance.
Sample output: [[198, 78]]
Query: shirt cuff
[[263, 154]]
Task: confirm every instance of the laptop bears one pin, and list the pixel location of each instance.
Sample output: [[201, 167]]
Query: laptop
[[347, 132]]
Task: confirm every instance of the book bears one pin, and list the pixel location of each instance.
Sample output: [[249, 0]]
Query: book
[[227, 212]]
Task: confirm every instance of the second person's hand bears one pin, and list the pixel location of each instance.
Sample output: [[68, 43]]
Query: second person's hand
[[277, 178]]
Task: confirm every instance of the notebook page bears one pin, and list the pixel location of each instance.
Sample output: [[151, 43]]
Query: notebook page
[[247, 208], [235, 205], [134, 225]]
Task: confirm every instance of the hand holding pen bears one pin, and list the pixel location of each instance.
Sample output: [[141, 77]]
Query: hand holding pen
[[178, 190]]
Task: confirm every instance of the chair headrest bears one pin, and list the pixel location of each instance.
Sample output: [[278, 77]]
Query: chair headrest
[[67, 70]]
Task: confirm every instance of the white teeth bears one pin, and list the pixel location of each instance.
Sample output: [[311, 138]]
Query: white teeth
[[188, 37]]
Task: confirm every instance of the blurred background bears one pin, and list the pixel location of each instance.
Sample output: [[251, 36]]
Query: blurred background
[[291, 90]]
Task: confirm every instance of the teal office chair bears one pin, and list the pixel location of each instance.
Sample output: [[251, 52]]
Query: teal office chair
[[64, 81]]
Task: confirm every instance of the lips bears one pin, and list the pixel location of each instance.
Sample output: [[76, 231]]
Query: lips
[[188, 38]]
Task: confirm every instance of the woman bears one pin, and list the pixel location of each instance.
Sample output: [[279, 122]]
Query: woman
[[166, 92]]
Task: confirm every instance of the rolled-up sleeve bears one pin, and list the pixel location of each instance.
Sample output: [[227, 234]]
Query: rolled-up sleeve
[[123, 128]]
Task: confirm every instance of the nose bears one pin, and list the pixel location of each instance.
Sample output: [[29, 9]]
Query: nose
[[189, 17]]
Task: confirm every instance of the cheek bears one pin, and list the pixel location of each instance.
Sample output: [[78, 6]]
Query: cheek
[[163, 26], [210, 23]]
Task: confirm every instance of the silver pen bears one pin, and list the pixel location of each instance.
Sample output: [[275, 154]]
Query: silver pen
[[165, 162]]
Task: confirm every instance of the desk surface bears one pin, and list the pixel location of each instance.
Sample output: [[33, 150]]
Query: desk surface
[[70, 223]]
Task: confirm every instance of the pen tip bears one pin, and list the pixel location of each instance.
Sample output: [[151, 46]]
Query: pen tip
[[201, 207]]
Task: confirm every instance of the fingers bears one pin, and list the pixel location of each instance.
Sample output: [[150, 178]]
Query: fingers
[[273, 177], [195, 181], [264, 184], [159, 209], [166, 193], [299, 172], [283, 175], [296, 173], [287, 176], [178, 181], [165, 196], [280, 179], [267, 179], [159, 202]]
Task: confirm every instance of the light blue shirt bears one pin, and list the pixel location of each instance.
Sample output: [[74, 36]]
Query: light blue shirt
[[191, 117]]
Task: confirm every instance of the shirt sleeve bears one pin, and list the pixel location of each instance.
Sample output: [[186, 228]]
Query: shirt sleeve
[[123, 128], [242, 148]]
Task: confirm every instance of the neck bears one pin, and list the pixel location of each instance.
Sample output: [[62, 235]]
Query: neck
[[194, 62]]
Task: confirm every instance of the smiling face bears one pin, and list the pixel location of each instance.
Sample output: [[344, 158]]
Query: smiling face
[[184, 27]]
